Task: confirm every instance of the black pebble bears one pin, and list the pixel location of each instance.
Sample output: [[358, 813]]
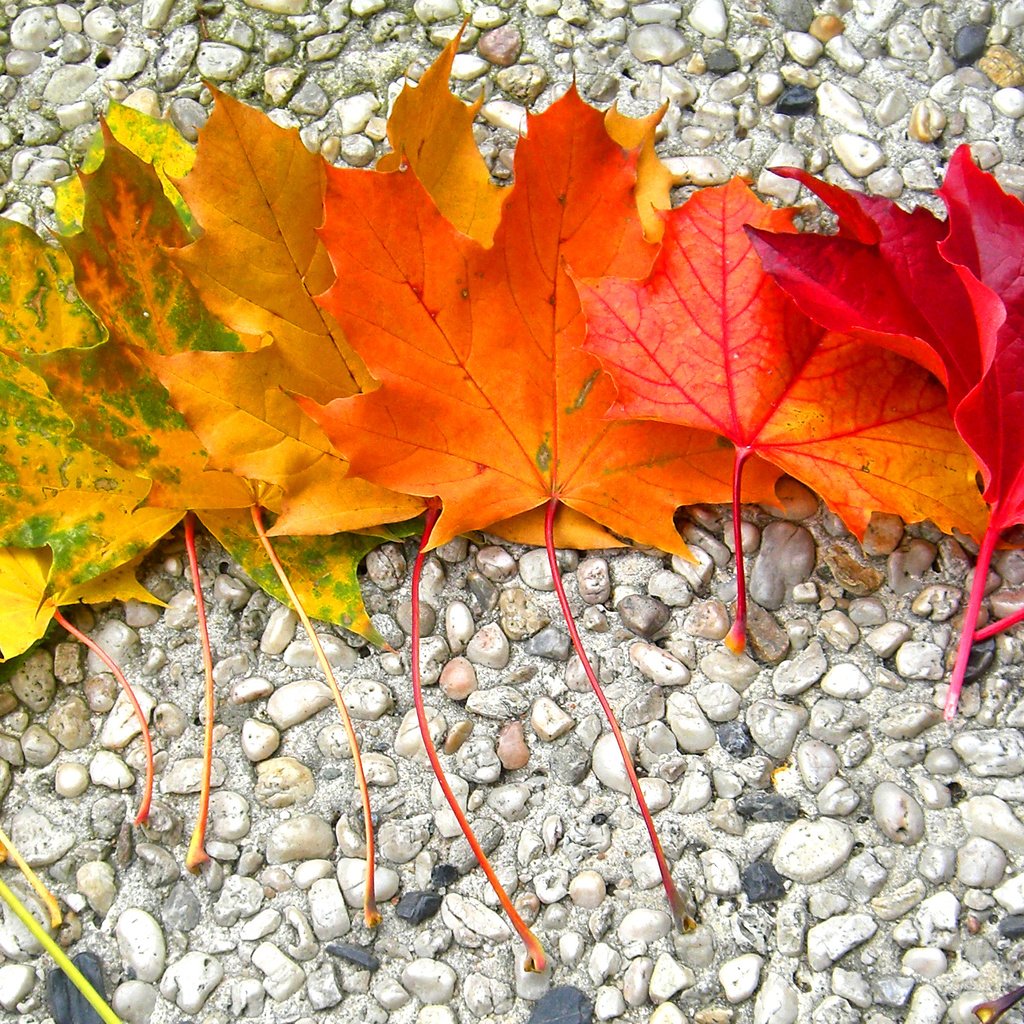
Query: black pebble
[[983, 654], [1012, 927], [416, 907], [762, 883], [969, 44], [354, 955], [722, 62], [443, 874], [66, 1003], [795, 99], [734, 739], [766, 806], [563, 1005]]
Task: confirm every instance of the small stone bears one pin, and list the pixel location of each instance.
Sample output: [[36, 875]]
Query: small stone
[[259, 739], [16, 982], [282, 782], [430, 981], [141, 943], [95, 880], [846, 681], [191, 980], [762, 806], [71, 779], [643, 615], [40, 841], [808, 851], [803, 47], [501, 46], [786, 557], [607, 762], [762, 883], [777, 1001], [657, 44], [829, 941], [352, 880], [689, 725], [740, 976], [774, 725], [471, 922], [897, 813], [417, 907], [1009, 102], [108, 770], [920, 659], [969, 43], [489, 647], [35, 29], [282, 977], [1003, 67], [355, 955], [927, 121], [564, 1004], [981, 864], [859, 155], [221, 62], [709, 18], [303, 837]]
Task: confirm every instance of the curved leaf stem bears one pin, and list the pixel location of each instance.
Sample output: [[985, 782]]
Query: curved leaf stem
[[535, 956], [736, 639], [370, 913], [197, 846], [33, 879], [967, 636], [147, 795], [78, 979], [995, 628], [682, 919]]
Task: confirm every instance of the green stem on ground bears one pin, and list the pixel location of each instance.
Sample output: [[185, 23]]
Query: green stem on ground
[[967, 636], [535, 957], [147, 796], [197, 854], [33, 879], [370, 913], [77, 978], [682, 919]]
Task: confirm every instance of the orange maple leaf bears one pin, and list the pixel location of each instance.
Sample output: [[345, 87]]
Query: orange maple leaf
[[488, 400]]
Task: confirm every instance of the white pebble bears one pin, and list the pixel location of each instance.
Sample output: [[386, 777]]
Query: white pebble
[[190, 981], [428, 980], [71, 779], [608, 765], [587, 890], [709, 18], [846, 681], [739, 977], [259, 739], [897, 813], [352, 881], [141, 944], [808, 851], [109, 770], [549, 721], [282, 976], [860, 156]]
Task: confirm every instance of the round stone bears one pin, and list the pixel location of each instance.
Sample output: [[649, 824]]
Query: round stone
[[808, 851], [141, 943], [657, 44], [71, 779], [897, 813], [35, 29], [304, 837]]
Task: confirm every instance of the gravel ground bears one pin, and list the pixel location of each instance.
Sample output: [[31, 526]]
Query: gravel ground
[[851, 856]]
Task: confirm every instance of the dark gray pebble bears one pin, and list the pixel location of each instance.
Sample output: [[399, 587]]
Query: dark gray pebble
[[796, 99], [722, 62], [66, 1003], [442, 875], [416, 907], [563, 1005], [762, 883], [355, 955], [734, 739], [767, 807], [969, 44]]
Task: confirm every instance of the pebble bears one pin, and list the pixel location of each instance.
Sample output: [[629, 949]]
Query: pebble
[[777, 1001], [282, 782], [472, 924], [40, 841], [327, 911], [108, 770], [969, 43], [16, 982], [607, 762], [564, 1004], [709, 18], [991, 752], [282, 977], [489, 647], [430, 981], [808, 851], [352, 880], [920, 659], [774, 725], [191, 980], [417, 907], [303, 837], [141, 944], [549, 721], [259, 740], [644, 615], [859, 155], [786, 557], [800, 673], [897, 813], [693, 732], [657, 44], [832, 939], [793, 101], [35, 29], [71, 779]]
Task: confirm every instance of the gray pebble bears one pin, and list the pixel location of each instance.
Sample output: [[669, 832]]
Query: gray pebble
[[808, 851], [897, 813], [774, 725], [786, 557], [981, 864], [141, 944], [35, 29], [800, 673], [191, 980], [643, 615], [832, 939], [174, 60]]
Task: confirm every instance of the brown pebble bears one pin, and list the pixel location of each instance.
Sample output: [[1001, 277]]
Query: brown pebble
[[859, 580], [528, 905], [512, 750], [501, 46], [1003, 67], [825, 27], [768, 641], [796, 500], [8, 702], [883, 535], [458, 679], [457, 735], [927, 121]]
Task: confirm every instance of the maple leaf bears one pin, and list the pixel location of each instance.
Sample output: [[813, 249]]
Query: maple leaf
[[152, 139], [487, 399], [955, 301], [709, 341], [257, 194]]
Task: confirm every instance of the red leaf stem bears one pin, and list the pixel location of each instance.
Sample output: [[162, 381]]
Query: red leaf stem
[[147, 796], [736, 640]]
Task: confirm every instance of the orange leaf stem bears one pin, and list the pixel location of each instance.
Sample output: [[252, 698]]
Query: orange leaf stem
[[967, 635], [147, 796], [736, 640], [197, 846], [990, 1012], [683, 920], [370, 913], [536, 959], [995, 628], [52, 907]]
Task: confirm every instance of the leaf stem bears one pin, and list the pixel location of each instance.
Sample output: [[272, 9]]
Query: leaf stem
[[147, 796], [995, 628], [78, 979], [967, 636], [993, 1010], [736, 640], [370, 913], [33, 879], [536, 959], [197, 854], [682, 919]]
